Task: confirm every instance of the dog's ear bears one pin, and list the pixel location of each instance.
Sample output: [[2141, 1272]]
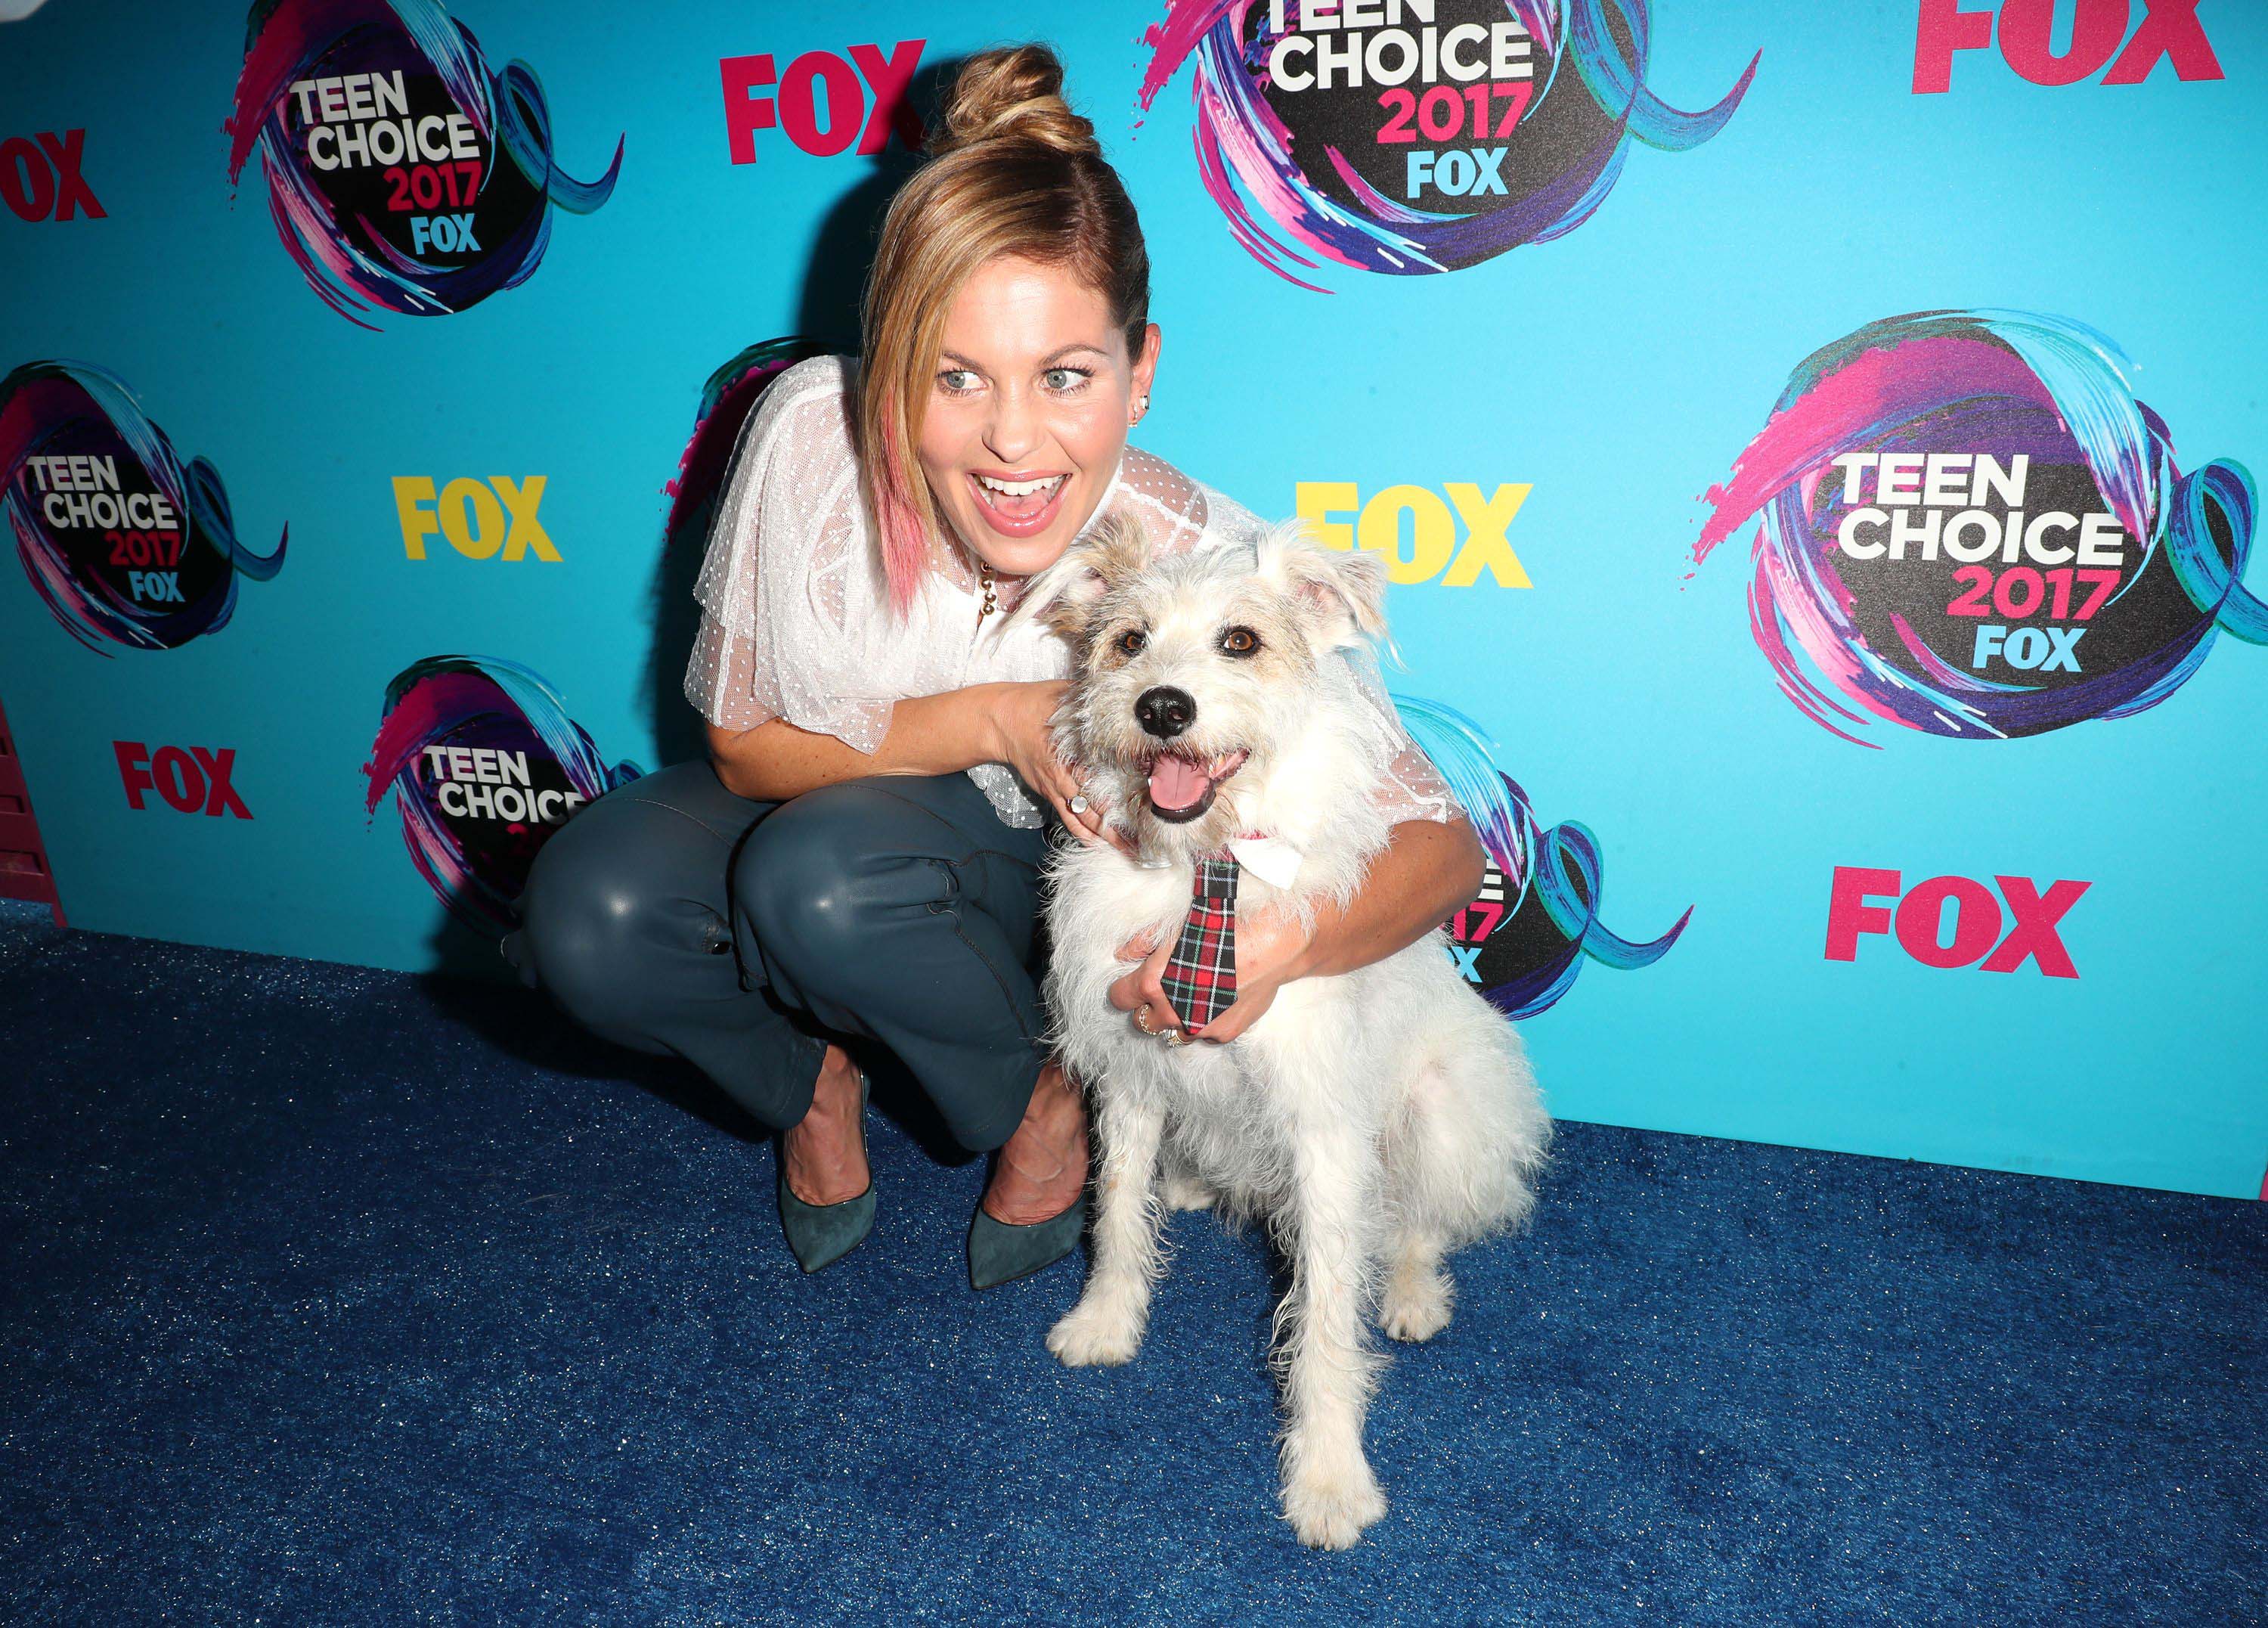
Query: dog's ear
[[1062, 597], [1341, 592]]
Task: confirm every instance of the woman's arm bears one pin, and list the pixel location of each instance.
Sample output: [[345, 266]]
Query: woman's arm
[[931, 735], [1429, 871], [998, 723]]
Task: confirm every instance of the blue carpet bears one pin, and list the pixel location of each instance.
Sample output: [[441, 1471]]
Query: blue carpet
[[335, 1296]]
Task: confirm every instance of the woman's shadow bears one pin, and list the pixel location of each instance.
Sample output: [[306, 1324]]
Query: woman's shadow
[[473, 986]]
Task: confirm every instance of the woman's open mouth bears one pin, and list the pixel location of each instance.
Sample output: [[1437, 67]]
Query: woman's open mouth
[[1019, 508], [1181, 787]]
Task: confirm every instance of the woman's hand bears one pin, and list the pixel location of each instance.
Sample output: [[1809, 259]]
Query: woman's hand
[[1272, 949], [1024, 740]]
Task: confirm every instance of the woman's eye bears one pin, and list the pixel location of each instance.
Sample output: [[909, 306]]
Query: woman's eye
[[1131, 641], [1060, 381], [1239, 642]]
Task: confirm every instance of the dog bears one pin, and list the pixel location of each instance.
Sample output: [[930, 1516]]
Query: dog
[[1375, 1120]]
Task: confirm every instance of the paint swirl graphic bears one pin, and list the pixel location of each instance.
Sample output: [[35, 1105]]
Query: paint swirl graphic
[[1537, 918], [1408, 136], [726, 399], [404, 174], [125, 543], [484, 764], [1971, 528]]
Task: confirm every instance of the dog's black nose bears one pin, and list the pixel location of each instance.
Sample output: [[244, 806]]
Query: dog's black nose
[[1165, 711]]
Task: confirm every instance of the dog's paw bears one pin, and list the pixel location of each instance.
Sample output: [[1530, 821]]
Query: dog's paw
[[1415, 1311], [1087, 1337], [1185, 1192], [1330, 1512]]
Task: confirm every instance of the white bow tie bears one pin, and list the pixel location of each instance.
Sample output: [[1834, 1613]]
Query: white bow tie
[[1271, 858]]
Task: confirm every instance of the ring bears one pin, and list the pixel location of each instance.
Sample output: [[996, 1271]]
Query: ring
[[1078, 805], [1141, 1019], [1173, 1036]]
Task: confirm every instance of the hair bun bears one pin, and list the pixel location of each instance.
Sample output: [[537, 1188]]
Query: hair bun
[[1011, 93]]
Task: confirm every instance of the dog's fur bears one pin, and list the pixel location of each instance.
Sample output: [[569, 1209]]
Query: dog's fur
[[1376, 1120]]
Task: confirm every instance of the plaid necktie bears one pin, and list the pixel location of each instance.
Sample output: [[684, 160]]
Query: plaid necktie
[[1201, 978]]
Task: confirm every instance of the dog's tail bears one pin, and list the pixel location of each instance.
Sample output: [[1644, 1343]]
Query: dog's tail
[[1500, 810]]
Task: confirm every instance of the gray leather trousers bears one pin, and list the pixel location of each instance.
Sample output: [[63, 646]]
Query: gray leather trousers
[[672, 915]]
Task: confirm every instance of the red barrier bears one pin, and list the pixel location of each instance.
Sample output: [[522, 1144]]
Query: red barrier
[[24, 870]]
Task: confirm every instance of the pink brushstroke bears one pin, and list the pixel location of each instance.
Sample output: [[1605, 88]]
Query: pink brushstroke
[[1826, 419]]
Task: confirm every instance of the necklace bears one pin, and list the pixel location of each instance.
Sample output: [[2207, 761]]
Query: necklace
[[991, 601]]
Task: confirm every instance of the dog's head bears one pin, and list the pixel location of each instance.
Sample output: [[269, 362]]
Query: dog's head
[[1192, 673]]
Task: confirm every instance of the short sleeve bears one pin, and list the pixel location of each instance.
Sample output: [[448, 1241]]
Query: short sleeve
[[1177, 513], [1412, 787], [786, 572]]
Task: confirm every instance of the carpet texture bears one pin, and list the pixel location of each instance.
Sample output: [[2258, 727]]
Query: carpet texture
[[330, 1295]]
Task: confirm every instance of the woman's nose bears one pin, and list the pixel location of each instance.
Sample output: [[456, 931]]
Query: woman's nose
[[1012, 430]]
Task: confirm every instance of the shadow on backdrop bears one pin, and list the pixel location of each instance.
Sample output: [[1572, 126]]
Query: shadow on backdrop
[[472, 984]]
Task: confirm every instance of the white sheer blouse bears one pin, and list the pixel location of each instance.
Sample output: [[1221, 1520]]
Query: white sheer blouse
[[795, 620]]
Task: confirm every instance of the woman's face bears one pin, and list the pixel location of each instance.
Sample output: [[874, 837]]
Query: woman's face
[[1032, 388]]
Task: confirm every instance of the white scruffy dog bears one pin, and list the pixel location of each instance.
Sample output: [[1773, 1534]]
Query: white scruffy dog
[[1376, 1120]]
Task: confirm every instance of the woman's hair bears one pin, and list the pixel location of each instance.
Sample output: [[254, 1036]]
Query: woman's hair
[[1013, 170]]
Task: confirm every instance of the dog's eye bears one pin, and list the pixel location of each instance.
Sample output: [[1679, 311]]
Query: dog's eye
[[1130, 642], [1239, 642]]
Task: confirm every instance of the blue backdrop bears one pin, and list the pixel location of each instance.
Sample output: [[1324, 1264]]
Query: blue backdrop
[[1620, 368]]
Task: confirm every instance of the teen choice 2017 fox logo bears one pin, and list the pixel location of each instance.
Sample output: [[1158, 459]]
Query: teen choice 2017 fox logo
[[1415, 135], [1537, 918], [726, 400], [125, 542], [403, 172], [484, 765], [1971, 528]]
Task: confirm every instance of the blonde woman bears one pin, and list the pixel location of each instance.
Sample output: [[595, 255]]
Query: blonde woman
[[857, 860]]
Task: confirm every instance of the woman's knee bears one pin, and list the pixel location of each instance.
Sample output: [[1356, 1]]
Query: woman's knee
[[818, 877], [605, 913]]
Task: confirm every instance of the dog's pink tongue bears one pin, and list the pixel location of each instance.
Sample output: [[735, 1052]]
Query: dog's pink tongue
[[1177, 783]]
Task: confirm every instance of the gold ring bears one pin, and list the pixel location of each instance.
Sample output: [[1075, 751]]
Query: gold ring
[[1142, 1018], [1173, 1036]]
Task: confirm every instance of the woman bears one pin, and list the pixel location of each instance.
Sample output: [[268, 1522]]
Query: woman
[[859, 856]]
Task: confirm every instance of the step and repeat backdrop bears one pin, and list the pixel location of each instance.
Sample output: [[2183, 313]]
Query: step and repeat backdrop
[[1811, 440]]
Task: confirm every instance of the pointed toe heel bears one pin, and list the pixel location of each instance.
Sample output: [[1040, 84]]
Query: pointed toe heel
[[1001, 1252], [820, 1235]]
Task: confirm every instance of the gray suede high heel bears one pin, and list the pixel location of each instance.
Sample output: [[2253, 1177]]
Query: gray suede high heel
[[1001, 1252], [822, 1233]]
